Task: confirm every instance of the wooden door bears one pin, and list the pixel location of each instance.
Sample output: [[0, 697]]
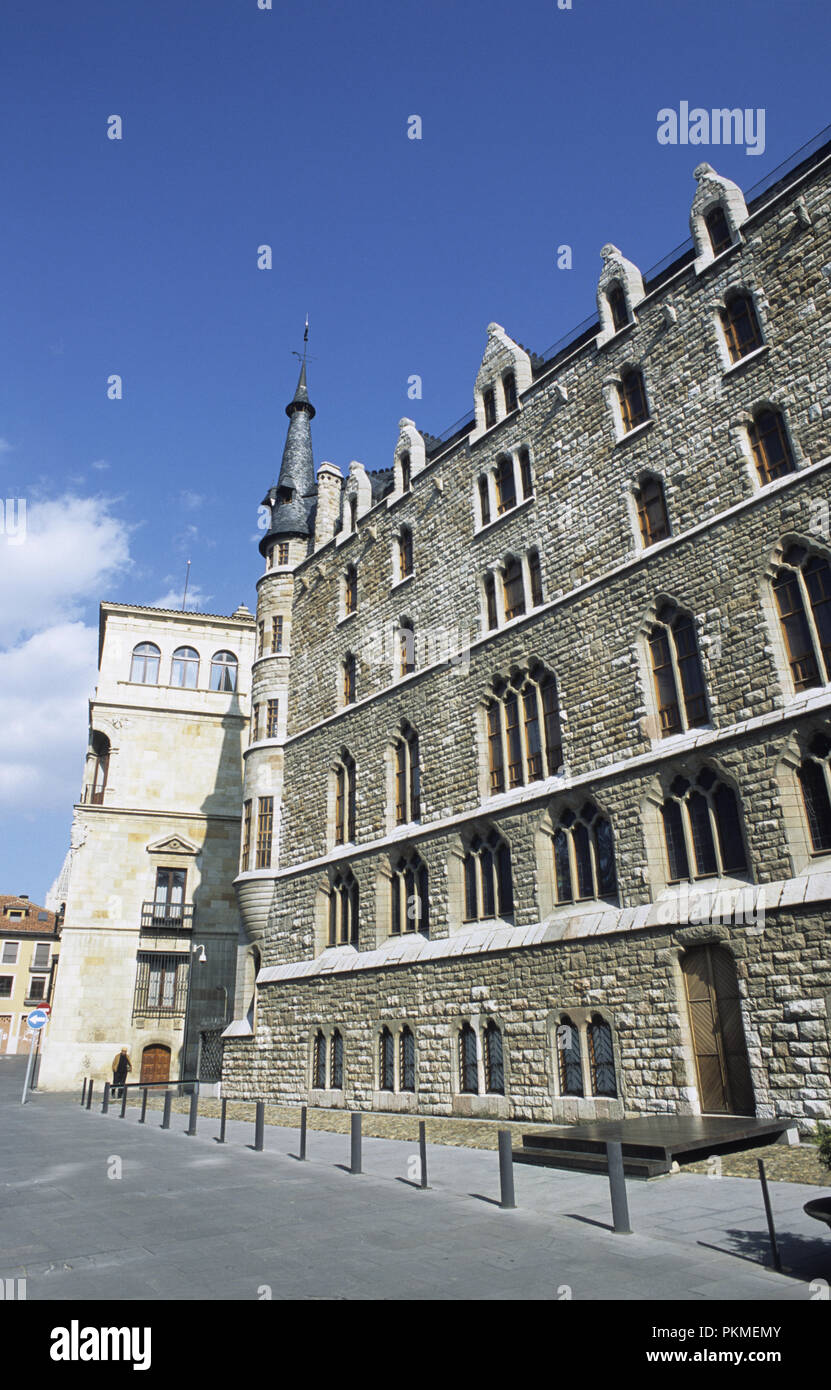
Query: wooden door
[[155, 1064], [721, 1063]]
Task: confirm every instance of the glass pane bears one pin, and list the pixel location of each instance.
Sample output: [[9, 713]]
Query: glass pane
[[407, 1060], [605, 859], [583, 860], [471, 905], [665, 691], [733, 858], [602, 1058], [505, 881], [515, 777], [494, 1062], [676, 846], [704, 849], [488, 886], [562, 868], [818, 584], [801, 655], [817, 804], [571, 1062], [689, 667]]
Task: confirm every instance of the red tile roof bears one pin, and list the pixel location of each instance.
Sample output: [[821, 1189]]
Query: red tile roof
[[37, 924]]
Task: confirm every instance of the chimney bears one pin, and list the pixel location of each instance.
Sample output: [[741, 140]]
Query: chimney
[[329, 483]]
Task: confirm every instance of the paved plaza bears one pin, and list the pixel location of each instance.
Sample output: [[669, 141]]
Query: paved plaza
[[189, 1219]]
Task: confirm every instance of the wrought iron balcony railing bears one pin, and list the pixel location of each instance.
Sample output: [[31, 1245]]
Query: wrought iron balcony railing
[[166, 917]]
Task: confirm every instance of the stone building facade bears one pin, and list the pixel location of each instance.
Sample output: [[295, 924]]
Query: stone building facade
[[151, 929], [536, 814]]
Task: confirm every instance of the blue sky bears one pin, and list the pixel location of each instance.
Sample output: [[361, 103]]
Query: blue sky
[[242, 127]]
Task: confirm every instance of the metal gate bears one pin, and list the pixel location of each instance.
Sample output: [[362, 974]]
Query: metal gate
[[210, 1056]]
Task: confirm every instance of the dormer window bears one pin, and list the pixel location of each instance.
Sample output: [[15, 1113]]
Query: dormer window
[[406, 473], [718, 229], [489, 402], [618, 307], [509, 387]]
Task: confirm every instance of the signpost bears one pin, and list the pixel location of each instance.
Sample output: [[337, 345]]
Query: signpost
[[36, 1020]]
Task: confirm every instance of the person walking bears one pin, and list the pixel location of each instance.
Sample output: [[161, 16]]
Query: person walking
[[121, 1066]]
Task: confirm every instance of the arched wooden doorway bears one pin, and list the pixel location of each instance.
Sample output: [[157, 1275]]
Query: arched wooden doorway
[[155, 1064], [721, 1062]]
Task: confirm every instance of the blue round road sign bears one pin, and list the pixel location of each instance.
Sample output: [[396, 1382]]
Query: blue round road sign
[[37, 1019]]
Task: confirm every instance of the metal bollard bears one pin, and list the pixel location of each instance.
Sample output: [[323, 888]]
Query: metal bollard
[[422, 1150], [194, 1112], [221, 1139], [259, 1127], [506, 1171], [105, 1104], [89, 1094], [123, 1101], [617, 1188], [777, 1262], [168, 1101], [143, 1106], [355, 1144], [302, 1131], [84, 1093]]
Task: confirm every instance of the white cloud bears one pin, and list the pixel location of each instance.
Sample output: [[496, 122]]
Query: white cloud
[[45, 684], [191, 500], [197, 599], [5, 446], [100, 465], [70, 551]]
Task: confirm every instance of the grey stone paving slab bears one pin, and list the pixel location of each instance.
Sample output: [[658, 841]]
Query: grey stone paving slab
[[189, 1219]]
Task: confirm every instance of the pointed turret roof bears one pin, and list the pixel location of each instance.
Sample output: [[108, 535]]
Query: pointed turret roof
[[292, 499]]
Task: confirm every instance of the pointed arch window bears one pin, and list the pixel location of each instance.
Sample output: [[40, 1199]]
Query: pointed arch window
[[633, 404], [523, 730], [505, 484], [718, 229], [570, 1058], [802, 588], [406, 472], [468, 1066], [677, 673], [618, 307], [100, 749], [771, 447], [224, 668], [509, 387], [407, 1059], [319, 1061], [584, 856], [489, 403], [513, 584], [488, 881], [144, 668], [653, 518], [702, 828], [349, 672], [184, 670], [386, 1060], [740, 324], [493, 1059], [814, 783], [345, 799], [601, 1057], [407, 776], [350, 590], [406, 647], [343, 910], [489, 586], [410, 898], [336, 1061], [405, 552], [353, 512], [484, 501]]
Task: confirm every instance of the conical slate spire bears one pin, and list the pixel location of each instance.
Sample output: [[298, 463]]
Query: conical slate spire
[[292, 500]]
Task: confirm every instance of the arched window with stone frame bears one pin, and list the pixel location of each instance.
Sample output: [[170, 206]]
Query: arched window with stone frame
[[510, 392], [740, 325], [184, 668], [343, 910], [345, 781], [410, 898], [224, 669], [524, 736], [386, 1060], [618, 306], [488, 878], [406, 775], [319, 1061], [468, 1062], [493, 1058], [634, 407], [651, 506], [603, 1078], [718, 229], [814, 776], [802, 590], [406, 1060], [584, 856], [770, 444], [404, 546], [336, 1061], [702, 826], [677, 674], [569, 1058]]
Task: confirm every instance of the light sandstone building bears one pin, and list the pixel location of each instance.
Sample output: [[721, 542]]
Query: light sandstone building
[[536, 816], [151, 930]]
